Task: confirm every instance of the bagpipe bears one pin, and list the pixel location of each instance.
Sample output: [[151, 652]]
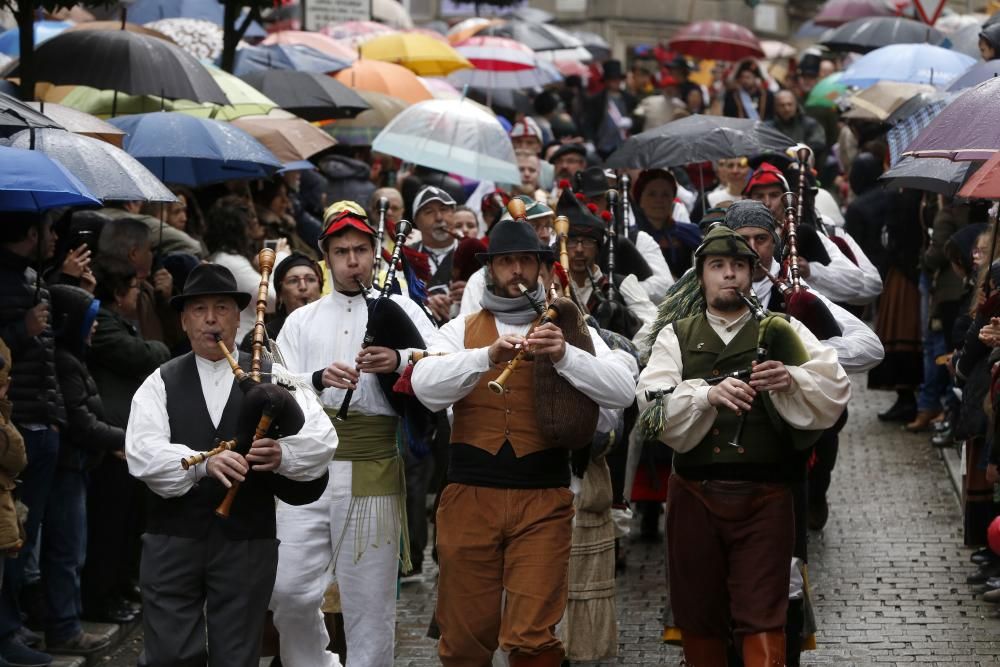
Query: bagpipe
[[611, 312]]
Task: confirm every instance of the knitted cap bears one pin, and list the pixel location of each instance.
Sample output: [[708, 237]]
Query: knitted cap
[[749, 213]]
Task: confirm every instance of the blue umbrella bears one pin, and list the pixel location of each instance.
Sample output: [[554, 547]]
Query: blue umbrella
[[10, 40], [147, 11], [975, 75], [31, 181], [910, 63], [296, 57], [179, 148]]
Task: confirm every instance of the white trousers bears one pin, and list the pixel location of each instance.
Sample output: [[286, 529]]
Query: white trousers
[[308, 535]]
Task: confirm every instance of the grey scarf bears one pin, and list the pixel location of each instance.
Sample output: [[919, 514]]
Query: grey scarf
[[514, 311]]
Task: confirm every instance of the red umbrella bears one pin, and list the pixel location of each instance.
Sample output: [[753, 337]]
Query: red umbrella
[[717, 40], [985, 183], [836, 13]]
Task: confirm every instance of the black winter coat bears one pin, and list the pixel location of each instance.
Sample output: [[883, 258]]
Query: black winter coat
[[87, 436], [34, 390]]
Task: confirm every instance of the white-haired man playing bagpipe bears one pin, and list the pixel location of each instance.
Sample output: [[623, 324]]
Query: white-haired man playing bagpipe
[[742, 394], [504, 521]]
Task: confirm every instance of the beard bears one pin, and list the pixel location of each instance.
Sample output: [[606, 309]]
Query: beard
[[727, 301]]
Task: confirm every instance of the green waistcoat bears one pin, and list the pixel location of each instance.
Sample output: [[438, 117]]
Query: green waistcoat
[[765, 437]]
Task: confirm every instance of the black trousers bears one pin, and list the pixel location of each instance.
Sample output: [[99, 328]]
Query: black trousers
[[190, 586], [826, 458]]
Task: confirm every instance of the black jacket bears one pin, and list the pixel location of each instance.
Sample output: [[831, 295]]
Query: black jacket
[[34, 390]]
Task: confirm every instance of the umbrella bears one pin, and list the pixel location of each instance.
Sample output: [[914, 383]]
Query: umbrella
[[32, 181], [290, 139], [44, 30], [499, 63], [201, 38], [385, 78], [966, 40], [695, 139], [15, 116], [194, 151], [420, 54], [838, 12], [542, 37], [463, 30], [356, 33], [79, 122], [904, 132], [242, 100], [826, 92], [428, 32], [596, 44], [868, 34], [107, 171], [934, 174], [967, 129], [125, 61], [307, 94], [111, 26], [392, 14], [296, 57], [322, 43], [531, 15], [362, 130], [718, 40], [881, 100], [454, 136], [774, 49], [440, 89], [146, 11], [507, 99], [975, 75], [985, 183], [912, 63]]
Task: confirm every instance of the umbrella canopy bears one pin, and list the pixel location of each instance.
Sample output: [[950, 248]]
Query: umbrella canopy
[[307, 94], [10, 43], [499, 63], [532, 15], [541, 37], [314, 40], [881, 100], [362, 130], [79, 122], [355, 33], [202, 39], [596, 44], [985, 183], [125, 61], [107, 171], [834, 13], [934, 174], [191, 151], [868, 34], [975, 75], [298, 57], [111, 26], [418, 53], [290, 139], [15, 116], [966, 129], [146, 11], [718, 40], [905, 131], [440, 89], [384, 78], [32, 181], [774, 49], [695, 139], [392, 13], [966, 40], [463, 30], [912, 63], [454, 136], [826, 92]]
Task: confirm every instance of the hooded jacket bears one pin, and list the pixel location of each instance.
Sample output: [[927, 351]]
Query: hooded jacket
[[12, 461]]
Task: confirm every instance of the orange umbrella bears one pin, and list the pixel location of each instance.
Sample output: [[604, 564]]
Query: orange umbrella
[[318, 41], [469, 27], [387, 78], [985, 183]]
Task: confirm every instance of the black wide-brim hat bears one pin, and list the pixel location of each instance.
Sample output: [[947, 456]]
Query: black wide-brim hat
[[592, 182], [210, 280], [509, 237]]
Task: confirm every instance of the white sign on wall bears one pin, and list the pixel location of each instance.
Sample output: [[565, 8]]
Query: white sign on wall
[[318, 13]]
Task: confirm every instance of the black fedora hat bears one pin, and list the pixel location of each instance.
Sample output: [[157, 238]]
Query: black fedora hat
[[508, 237], [592, 182], [210, 280]]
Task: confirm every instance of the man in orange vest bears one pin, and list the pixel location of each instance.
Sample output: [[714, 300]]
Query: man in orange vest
[[505, 519]]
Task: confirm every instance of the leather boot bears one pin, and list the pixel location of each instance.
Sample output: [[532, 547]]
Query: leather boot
[[550, 658], [704, 651], [764, 649], [923, 421]]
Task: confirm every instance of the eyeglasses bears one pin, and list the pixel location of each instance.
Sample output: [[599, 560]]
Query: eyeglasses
[[584, 241], [295, 281]]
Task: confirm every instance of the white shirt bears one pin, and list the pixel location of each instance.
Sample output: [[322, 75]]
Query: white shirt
[[656, 285], [333, 329], [248, 280], [858, 348], [840, 280], [871, 279], [442, 381], [820, 388], [156, 461]]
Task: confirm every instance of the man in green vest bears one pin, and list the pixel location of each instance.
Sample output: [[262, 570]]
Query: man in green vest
[[737, 447]]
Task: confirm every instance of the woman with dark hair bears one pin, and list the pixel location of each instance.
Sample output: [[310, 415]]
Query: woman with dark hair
[[653, 194], [273, 204], [233, 236], [298, 280]]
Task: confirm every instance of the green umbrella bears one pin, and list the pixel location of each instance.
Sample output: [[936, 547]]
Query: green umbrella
[[244, 100], [826, 92]]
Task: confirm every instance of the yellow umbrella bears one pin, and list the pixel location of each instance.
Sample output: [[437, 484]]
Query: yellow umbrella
[[418, 53]]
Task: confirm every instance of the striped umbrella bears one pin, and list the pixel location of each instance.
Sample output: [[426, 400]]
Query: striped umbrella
[[499, 63], [314, 40]]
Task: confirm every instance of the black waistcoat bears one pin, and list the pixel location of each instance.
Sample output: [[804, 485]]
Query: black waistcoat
[[193, 514]]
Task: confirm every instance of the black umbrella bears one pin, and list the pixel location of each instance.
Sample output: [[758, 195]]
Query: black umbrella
[[124, 61], [15, 116], [698, 138], [868, 34], [934, 174], [307, 94]]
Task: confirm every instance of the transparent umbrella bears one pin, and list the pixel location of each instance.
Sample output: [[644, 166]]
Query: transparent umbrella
[[455, 136]]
